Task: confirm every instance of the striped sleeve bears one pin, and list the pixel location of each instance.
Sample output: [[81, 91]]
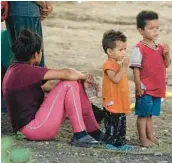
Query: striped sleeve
[[136, 58]]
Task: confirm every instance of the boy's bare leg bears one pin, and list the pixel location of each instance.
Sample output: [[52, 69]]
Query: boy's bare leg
[[149, 131], [141, 127]]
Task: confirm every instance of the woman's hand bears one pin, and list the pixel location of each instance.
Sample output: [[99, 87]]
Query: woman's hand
[[48, 86], [91, 82]]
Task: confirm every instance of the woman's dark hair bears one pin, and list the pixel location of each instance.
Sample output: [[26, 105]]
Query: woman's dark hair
[[144, 16], [26, 45], [110, 37]]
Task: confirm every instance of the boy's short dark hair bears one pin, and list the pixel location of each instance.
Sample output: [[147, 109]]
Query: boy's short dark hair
[[26, 45], [144, 16], [110, 37]]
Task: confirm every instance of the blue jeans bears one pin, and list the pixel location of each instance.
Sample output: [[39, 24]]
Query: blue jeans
[[15, 24], [148, 106]]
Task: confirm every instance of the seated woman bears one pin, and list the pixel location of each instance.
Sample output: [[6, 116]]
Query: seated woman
[[39, 118]]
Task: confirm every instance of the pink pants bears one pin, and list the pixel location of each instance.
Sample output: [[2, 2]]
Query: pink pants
[[66, 98]]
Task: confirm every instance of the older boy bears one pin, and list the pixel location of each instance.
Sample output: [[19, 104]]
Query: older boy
[[149, 61]]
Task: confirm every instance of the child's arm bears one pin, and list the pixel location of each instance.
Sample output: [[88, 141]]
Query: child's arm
[[167, 61], [136, 64], [115, 77], [136, 74], [166, 55]]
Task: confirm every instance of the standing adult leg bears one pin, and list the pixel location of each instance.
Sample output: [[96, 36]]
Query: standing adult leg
[[15, 24]]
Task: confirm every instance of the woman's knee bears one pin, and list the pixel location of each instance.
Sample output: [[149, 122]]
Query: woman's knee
[[68, 83]]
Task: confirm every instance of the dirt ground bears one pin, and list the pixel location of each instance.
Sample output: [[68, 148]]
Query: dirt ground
[[72, 38]]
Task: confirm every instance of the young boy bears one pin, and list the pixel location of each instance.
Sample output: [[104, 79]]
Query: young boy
[[115, 90], [149, 61]]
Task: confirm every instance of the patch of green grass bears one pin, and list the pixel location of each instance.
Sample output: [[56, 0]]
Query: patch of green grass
[[164, 148], [19, 136]]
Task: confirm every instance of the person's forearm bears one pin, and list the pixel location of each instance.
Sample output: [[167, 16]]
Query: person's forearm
[[64, 74], [167, 60], [136, 74], [75, 75], [41, 4], [119, 75]]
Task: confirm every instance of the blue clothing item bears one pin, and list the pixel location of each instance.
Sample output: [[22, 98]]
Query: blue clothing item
[[148, 106], [24, 8], [24, 15], [15, 24], [6, 53], [120, 148], [3, 107]]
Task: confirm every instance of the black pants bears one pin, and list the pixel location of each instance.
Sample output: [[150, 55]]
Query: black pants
[[115, 128]]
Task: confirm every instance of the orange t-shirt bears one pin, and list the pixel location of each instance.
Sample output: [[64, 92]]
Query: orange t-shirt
[[115, 96]]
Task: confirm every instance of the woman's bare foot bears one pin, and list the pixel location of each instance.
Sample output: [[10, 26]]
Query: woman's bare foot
[[146, 143]]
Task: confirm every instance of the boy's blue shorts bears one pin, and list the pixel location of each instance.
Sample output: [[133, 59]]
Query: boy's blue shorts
[[148, 106]]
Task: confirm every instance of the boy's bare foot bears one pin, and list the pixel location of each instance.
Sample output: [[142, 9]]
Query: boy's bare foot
[[146, 143], [154, 140]]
